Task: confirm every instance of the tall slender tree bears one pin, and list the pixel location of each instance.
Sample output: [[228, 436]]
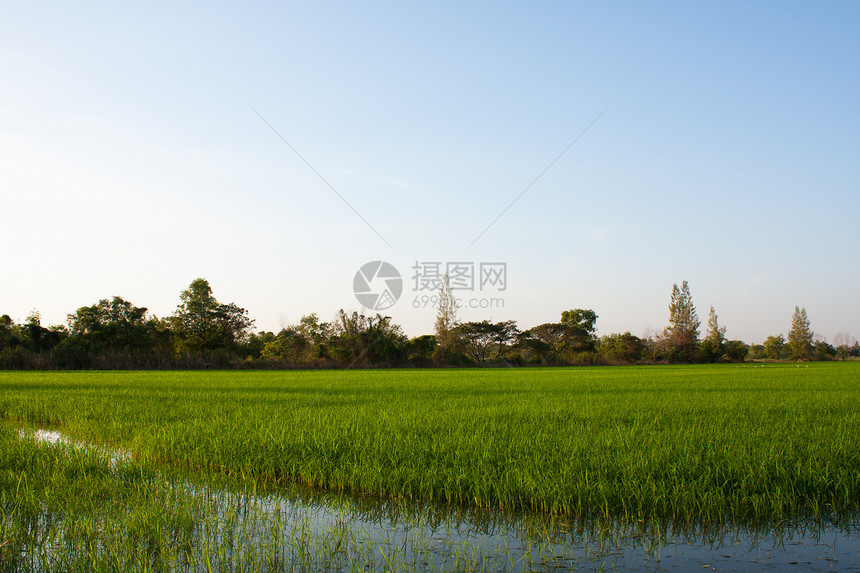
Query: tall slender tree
[[446, 320], [800, 335], [716, 333], [683, 322], [713, 346]]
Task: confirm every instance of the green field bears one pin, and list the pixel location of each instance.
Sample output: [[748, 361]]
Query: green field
[[690, 443]]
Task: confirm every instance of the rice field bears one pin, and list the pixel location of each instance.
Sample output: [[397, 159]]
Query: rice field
[[679, 442], [685, 445]]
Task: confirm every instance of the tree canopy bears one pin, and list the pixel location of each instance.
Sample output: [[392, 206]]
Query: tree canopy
[[114, 333]]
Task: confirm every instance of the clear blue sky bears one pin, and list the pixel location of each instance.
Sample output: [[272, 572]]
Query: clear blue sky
[[132, 158]]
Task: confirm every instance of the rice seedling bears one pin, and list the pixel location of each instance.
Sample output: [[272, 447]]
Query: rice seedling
[[636, 449], [683, 443]]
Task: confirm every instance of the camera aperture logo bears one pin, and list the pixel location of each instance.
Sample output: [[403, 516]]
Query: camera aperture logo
[[377, 285]]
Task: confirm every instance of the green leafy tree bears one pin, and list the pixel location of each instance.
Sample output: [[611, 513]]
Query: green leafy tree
[[112, 325], [288, 345], [421, 349], [8, 335], [822, 350], [621, 348], [368, 340], [773, 346], [505, 335], [800, 335], [755, 351], [202, 324], [735, 351], [318, 334], [486, 340], [561, 342], [12, 350], [683, 323], [582, 324], [256, 341], [545, 343], [36, 338]]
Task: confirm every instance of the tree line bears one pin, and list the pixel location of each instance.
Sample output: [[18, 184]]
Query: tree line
[[205, 333]]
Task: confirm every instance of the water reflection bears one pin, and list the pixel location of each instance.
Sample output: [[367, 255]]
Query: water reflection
[[237, 526]]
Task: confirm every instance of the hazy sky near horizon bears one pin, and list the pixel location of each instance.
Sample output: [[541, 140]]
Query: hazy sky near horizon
[[133, 159]]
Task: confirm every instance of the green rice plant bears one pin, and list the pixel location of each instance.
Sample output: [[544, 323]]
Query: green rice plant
[[638, 444]]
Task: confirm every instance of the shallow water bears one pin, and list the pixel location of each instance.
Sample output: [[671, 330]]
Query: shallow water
[[52, 437], [302, 529]]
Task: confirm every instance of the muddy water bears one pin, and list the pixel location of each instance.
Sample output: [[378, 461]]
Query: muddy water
[[301, 529]]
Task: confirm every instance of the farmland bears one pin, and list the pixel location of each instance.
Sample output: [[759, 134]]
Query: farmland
[[683, 444]]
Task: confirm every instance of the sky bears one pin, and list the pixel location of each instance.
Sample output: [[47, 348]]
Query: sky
[[602, 151]]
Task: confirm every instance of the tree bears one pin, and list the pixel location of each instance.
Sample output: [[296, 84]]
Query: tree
[[716, 333], [582, 319], [288, 345], [843, 343], [367, 340], [504, 334], [195, 318], [256, 342], [37, 338], [203, 324], [683, 322], [755, 351], [800, 335], [621, 348], [421, 349], [233, 322], [822, 350], [581, 323], [560, 342], [112, 325], [657, 344], [773, 346], [712, 347], [477, 337], [487, 340], [318, 334], [446, 321], [8, 336], [545, 342], [735, 351]]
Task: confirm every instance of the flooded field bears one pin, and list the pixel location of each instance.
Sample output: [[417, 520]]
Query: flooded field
[[641, 468], [223, 525]]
